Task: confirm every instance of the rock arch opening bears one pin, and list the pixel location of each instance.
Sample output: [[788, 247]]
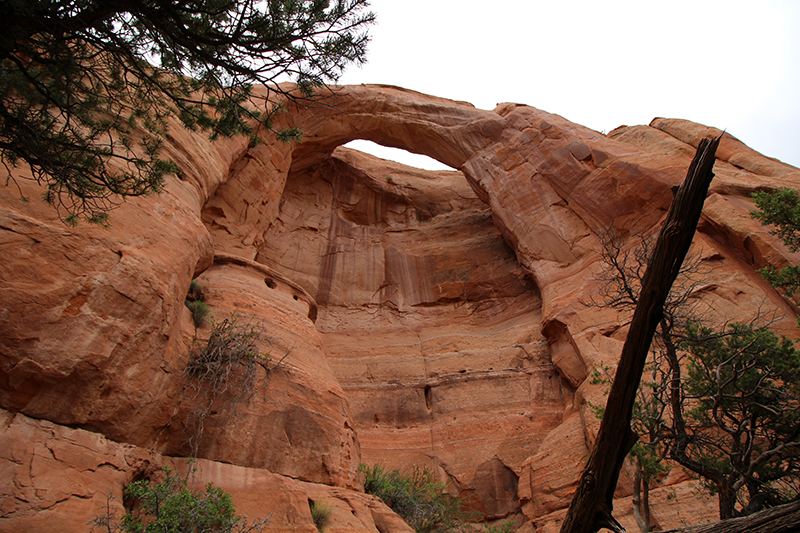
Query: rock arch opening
[[397, 155]]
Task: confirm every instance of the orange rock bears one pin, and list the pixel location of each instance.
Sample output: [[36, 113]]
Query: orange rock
[[427, 318], [59, 479]]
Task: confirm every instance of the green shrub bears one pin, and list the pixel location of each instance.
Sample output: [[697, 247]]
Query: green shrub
[[320, 513], [195, 301], [195, 292], [419, 498], [200, 312], [171, 507]]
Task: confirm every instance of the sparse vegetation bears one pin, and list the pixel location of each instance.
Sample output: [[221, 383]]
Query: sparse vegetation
[[223, 371], [195, 301], [320, 513], [200, 312], [506, 527], [419, 498], [169, 506]]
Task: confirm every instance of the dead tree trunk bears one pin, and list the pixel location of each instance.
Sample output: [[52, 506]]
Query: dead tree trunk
[[592, 504], [641, 499]]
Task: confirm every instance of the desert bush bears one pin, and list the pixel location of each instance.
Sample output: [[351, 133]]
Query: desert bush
[[195, 301], [419, 498], [169, 506], [200, 312], [227, 364], [320, 513], [223, 372]]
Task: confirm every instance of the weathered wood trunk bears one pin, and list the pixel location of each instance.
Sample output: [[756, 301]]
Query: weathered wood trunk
[[592, 504], [641, 499]]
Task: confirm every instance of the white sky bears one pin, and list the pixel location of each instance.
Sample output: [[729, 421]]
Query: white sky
[[732, 64]]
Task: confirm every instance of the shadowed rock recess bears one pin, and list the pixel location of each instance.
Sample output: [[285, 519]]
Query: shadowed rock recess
[[423, 318]]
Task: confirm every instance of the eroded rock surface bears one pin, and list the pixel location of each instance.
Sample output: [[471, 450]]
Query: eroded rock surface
[[435, 319], [58, 479]]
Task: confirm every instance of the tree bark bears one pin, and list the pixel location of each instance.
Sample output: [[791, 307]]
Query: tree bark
[[592, 504], [727, 501], [641, 499]]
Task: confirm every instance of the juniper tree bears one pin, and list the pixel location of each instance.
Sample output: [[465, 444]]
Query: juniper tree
[[87, 86], [742, 409], [722, 403], [781, 208], [620, 283]]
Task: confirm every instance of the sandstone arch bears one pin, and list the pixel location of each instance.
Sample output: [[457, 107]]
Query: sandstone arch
[[94, 323]]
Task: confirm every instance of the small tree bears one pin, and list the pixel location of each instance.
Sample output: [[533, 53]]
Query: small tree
[[693, 419], [84, 83], [742, 408], [620, 285]]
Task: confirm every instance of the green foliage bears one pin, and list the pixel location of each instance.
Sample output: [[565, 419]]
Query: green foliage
[[744, 387], [88, 88], [171, 507], [787, 278], [781, 208], [419, 498], [506, 527], [200, 312], [195, 301], [320, 513]]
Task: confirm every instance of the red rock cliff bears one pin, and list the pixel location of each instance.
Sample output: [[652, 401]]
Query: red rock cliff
[[427, 318]]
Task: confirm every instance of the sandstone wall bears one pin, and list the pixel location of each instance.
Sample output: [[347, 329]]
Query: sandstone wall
[[427, 318], [57, 479], [428, 321]]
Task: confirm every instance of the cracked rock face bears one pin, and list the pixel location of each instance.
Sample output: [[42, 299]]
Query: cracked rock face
[[422, 318]]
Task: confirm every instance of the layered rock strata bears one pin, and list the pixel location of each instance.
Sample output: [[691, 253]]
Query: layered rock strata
[[420, 318]]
